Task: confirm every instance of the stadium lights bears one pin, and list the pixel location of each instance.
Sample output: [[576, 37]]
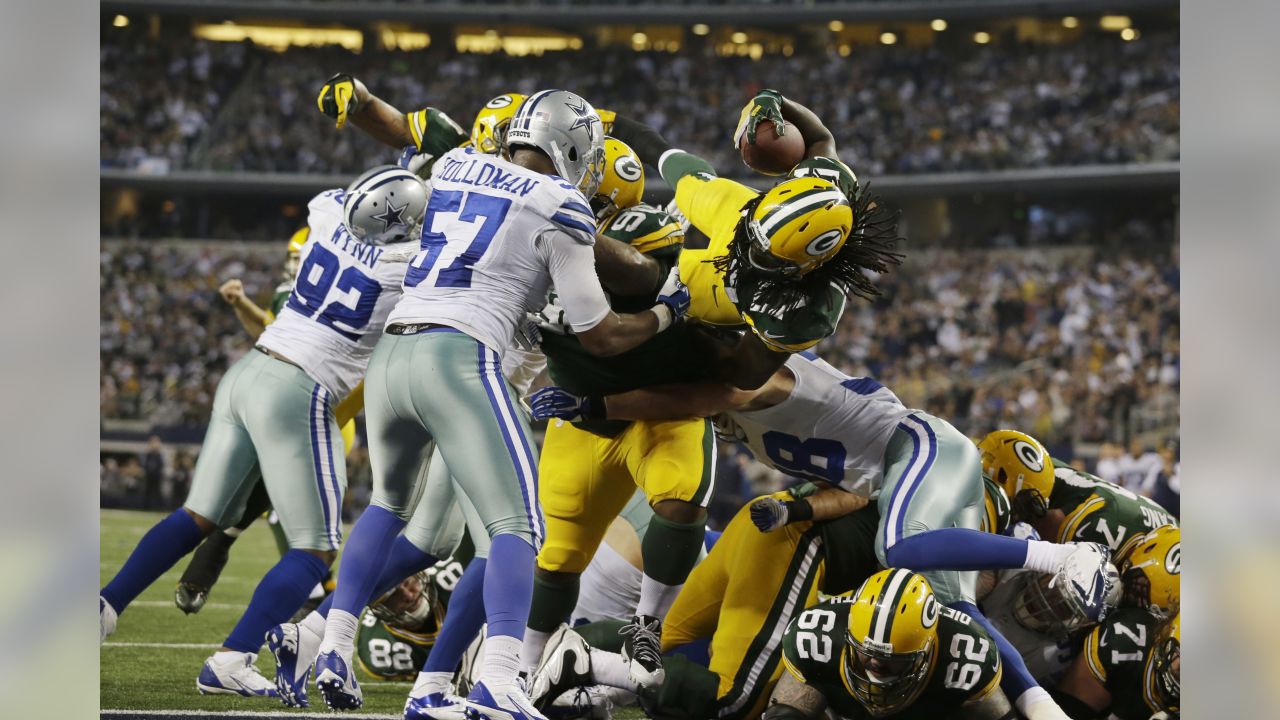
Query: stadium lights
[[982, 38], [938, 25], [1114, 22], [701, 29], [845, 50], [1128, 34], [120, 21], [835, 26], [639, 38], [738, 37], [888, 38], [1070, 22]]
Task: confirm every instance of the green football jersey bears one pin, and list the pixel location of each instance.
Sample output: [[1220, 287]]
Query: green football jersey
[[966, 666], [1102, 512], [280, 297], [434, 134], [667, 358], [1119, 654]]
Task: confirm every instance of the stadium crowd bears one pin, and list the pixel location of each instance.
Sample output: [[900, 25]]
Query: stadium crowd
[[895, 109]]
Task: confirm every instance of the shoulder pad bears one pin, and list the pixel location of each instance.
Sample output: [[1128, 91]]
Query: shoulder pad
[[571, 214], [644, 227]]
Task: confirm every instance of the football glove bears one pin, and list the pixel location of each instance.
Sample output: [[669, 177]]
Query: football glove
[[554, 402], [674, 294], [766, 105], [768, 514], [412, 160], [338, 98], [528, 335]]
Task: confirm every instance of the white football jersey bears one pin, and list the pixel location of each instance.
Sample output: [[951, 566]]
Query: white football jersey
[[1045, 657], [492, 242], [340, 300], [833, 427]]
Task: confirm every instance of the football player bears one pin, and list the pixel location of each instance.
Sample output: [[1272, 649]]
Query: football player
[[500, 234], [812, 421], [1130, 668], [208, 561], [274, 410], [1064, 504], [740, 599], [892, 650]]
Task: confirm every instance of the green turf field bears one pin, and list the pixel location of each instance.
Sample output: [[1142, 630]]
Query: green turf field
[[152, 660]]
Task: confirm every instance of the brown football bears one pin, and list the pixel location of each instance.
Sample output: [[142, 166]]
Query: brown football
[[771, 154]]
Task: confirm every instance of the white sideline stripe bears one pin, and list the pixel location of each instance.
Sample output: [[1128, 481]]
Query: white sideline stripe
[[243, 713], [169, 604], [174, 646]]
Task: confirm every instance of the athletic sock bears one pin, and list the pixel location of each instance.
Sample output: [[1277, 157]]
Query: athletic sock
[[1045, 556], [508, 588], [339, 632], [957, 549], [405, 560], [535, 641], [655, 597], [553, 601], [431, 682], [501, 662], [462, 621], [278, 596], [163, 546], [613, 670], [363, 559], [314, 622]]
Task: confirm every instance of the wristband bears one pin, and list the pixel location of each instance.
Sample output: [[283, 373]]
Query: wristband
[[593, 408], [665, 316], [798, 510]]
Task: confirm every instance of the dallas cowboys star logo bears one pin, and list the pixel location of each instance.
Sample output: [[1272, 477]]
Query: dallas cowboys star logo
[[583, 119], [392, 215]]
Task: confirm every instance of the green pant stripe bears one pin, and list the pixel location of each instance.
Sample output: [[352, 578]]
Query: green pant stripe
[[708, 481], [765, 651]]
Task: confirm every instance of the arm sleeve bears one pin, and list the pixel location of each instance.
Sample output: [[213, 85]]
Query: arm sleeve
[[573, 272]]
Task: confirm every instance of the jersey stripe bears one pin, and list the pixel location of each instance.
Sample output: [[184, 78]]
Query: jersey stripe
[[1092, 656], [418, 128], [574, 206], [1071, 525], [574, 223]]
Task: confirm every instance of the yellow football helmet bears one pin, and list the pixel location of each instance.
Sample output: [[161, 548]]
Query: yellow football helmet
[[796, 226], [623, 182], [892, 641], [489, 131], [1152, 574], [293, 256], [1019, 464], [1164, 665], [997, 513]]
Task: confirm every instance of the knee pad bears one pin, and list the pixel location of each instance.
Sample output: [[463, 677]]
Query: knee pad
[[559, 557]]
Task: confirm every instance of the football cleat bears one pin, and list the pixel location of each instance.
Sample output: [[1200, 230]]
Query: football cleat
[[1087, 568], [294, 648], [513, 704], [566, 664], [106, 619], [337, 682], [642, 649], [190, 597], [595, 702], [233, 673], [435, 706]]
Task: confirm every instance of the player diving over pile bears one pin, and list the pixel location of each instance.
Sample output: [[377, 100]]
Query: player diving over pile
[[800, 414]]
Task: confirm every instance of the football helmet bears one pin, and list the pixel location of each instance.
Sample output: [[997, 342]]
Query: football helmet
[[1049, 604], [623, 183], [489, 131], [796, 226], [1165, 663], [892, 640], [293, 255], [410, 606], [566, 128], [1152, 573], [385, 205], [1019, 464], [997, 512]]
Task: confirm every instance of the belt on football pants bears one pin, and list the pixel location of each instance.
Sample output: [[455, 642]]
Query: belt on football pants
[[277, 356], [418, 328]]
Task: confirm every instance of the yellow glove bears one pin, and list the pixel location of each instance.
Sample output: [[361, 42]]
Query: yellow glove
[[338, 98]]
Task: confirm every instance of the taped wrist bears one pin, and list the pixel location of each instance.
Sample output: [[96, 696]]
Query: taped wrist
[[798, 510]]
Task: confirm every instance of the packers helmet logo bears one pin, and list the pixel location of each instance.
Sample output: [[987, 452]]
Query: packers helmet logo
[[627, 168], [1029, 455], [823, 244], [1173, 559], [929, 615], [499, 102]]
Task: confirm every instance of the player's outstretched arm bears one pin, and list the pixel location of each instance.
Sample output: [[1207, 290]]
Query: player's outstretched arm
[[748, 364], [254, 319], [344, 97], [772, 106], [793, 700]]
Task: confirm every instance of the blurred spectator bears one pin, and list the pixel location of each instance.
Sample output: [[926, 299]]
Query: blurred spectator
[[153, 473], [1109, 462], [1137, 465], [1164, 483], [893, 109]]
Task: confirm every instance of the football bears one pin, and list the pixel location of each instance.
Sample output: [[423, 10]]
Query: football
[[772, 154]]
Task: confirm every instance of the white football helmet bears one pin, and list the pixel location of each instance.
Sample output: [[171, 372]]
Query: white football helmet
[[566, 128], [385, 205]]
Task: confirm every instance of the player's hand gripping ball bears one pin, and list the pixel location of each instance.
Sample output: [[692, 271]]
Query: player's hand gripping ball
[[767, 142]]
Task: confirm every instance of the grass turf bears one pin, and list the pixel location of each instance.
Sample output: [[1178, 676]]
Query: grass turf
[[148, 664]]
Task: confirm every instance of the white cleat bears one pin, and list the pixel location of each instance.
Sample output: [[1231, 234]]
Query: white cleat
[[106, 619], [294, 648], [233, 673], [512, 704]]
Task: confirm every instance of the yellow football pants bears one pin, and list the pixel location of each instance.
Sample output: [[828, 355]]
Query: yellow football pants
[[585, 480]]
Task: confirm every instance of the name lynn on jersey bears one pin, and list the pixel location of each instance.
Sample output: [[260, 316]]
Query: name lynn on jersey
[[483, 174]]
